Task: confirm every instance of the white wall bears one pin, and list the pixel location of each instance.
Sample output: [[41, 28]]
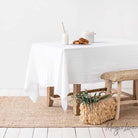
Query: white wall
[[27, 21]]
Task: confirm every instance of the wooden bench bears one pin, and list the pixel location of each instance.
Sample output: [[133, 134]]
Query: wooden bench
[[119, 76]]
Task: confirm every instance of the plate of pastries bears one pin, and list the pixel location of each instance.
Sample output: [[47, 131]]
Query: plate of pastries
[[81, 41]]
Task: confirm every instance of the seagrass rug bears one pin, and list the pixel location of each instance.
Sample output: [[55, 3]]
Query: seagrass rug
[[22, 112]]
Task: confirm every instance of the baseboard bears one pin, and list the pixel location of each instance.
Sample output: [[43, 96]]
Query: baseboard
[[127, 86]]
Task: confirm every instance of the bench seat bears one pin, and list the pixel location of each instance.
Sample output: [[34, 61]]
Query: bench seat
[[120, 75]]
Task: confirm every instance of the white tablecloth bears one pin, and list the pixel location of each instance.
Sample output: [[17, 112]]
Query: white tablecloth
[[54, 64]]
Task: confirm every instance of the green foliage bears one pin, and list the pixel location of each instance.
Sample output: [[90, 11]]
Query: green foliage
[[85, 98]]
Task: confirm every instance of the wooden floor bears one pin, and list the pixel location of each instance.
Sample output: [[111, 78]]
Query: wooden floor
[[68, 133], [117, 132]]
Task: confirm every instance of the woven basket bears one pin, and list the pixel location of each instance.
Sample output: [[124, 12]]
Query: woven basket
[[98, 113]]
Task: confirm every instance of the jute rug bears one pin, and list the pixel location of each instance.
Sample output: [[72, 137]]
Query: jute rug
[[22, 112]]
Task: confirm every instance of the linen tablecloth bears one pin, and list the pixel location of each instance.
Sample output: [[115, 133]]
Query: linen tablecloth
[[54, 64]]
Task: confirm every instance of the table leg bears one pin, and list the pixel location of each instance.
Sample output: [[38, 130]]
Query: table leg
[[135, 90], [50, 92], [76, 106]]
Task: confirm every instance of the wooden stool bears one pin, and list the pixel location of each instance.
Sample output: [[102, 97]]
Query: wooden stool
[[119, 76]]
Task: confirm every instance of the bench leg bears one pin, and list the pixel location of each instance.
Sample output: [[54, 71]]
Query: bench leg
[[119, 85], [50, 92], [76, 106], [135, 90], [108, 85]]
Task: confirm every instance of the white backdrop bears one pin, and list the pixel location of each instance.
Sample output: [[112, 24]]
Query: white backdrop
[[27, 21]]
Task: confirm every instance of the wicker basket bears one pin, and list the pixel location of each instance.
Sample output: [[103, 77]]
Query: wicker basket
[[98, 113]]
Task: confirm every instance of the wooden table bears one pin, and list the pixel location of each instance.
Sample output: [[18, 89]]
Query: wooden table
[[57, 65]]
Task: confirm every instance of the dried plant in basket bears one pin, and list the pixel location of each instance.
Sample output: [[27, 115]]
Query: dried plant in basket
[[95, 109]]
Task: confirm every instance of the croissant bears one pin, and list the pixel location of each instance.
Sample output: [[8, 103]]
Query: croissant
[[81, 41]]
